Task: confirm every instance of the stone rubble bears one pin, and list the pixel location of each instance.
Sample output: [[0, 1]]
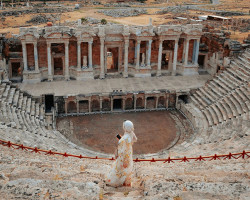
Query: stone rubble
[[124, 12]]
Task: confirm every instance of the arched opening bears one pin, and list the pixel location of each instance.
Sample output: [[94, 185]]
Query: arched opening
[[172, 100], [139, 103], [150, 102], [161, 102], [83, 106], [129, 104], [183, 98], [95, 105], [106, 106], [72, 107]]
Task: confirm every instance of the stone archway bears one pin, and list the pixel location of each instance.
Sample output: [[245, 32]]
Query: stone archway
[[72, 107]]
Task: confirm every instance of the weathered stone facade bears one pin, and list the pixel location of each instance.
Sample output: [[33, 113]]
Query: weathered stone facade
[[85, 52]]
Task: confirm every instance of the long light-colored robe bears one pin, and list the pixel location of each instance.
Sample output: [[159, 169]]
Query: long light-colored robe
[[121, 171]]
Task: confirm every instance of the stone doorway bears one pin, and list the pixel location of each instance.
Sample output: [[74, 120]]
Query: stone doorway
[[166, 61], [112, 60], [117, 105], [16, 70], [58, 66], [49, 102]]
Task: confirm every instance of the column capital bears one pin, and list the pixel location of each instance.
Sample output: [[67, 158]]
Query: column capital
[[48, 44], [90, 42], [66, 42], [23, 42], [138, 41], [150, 41], [126, 42], [79, 42]]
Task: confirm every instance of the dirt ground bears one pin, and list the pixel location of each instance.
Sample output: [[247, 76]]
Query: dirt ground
[[155, 130]]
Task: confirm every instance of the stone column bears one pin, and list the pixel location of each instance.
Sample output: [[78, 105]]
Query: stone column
[[111, 103], [36, 57], [159, 59], [149, 53], [66, 106], [50, 76], [134, 101], [90, 104], [197, 52], [145, 102], [125, 74], [194, 51], [25, 62], [156, 102], [123, 103], [102, 74], [100, 104], [90, 43], [167, 100], [175, 57], [79, 55], [77, 106], [186, 51], [66, 60], [138, 46]]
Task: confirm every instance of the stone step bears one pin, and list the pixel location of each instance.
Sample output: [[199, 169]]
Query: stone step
[[24, 103], [246, 92], [33, 108], [239, 74], [13, 110], [2, 89], [215, 89], [202, 91], [37, 110], [196, 103], [222, 111], [224, 78], [234, 79], [227, 108], [221, 84], [11, 96], [214, 116], [19, 116], [211, 93], [208, 117], [203, 97], [231, 105], [28, 105], [25, 121], [241, 70], [200, 100], [236, 104], [16, 97], [245, 61], [41, 112], [217, 112], [243, 65], [20, 101], [6, 92], [240, 101]]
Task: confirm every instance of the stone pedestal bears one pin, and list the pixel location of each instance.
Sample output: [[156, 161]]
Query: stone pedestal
[[143, 72], [31, 77], [187, 70], [83, 74]]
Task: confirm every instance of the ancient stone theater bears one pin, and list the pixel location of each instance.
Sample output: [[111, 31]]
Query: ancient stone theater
[[67, 87]]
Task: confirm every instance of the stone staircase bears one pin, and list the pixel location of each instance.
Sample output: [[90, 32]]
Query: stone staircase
[[227, 95], [21, 111]]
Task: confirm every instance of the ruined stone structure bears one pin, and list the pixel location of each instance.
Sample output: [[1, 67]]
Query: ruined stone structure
[[87, 52]]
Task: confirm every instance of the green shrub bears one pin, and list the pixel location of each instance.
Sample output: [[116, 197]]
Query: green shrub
[[104, 21], [84, 20]]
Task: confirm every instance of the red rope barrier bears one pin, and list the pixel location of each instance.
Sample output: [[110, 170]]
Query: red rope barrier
[[243, 155]]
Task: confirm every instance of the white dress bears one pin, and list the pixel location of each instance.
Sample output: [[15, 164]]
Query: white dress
[[121, 171]]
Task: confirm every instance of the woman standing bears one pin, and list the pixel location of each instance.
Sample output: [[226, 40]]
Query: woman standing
[[121, 171]]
